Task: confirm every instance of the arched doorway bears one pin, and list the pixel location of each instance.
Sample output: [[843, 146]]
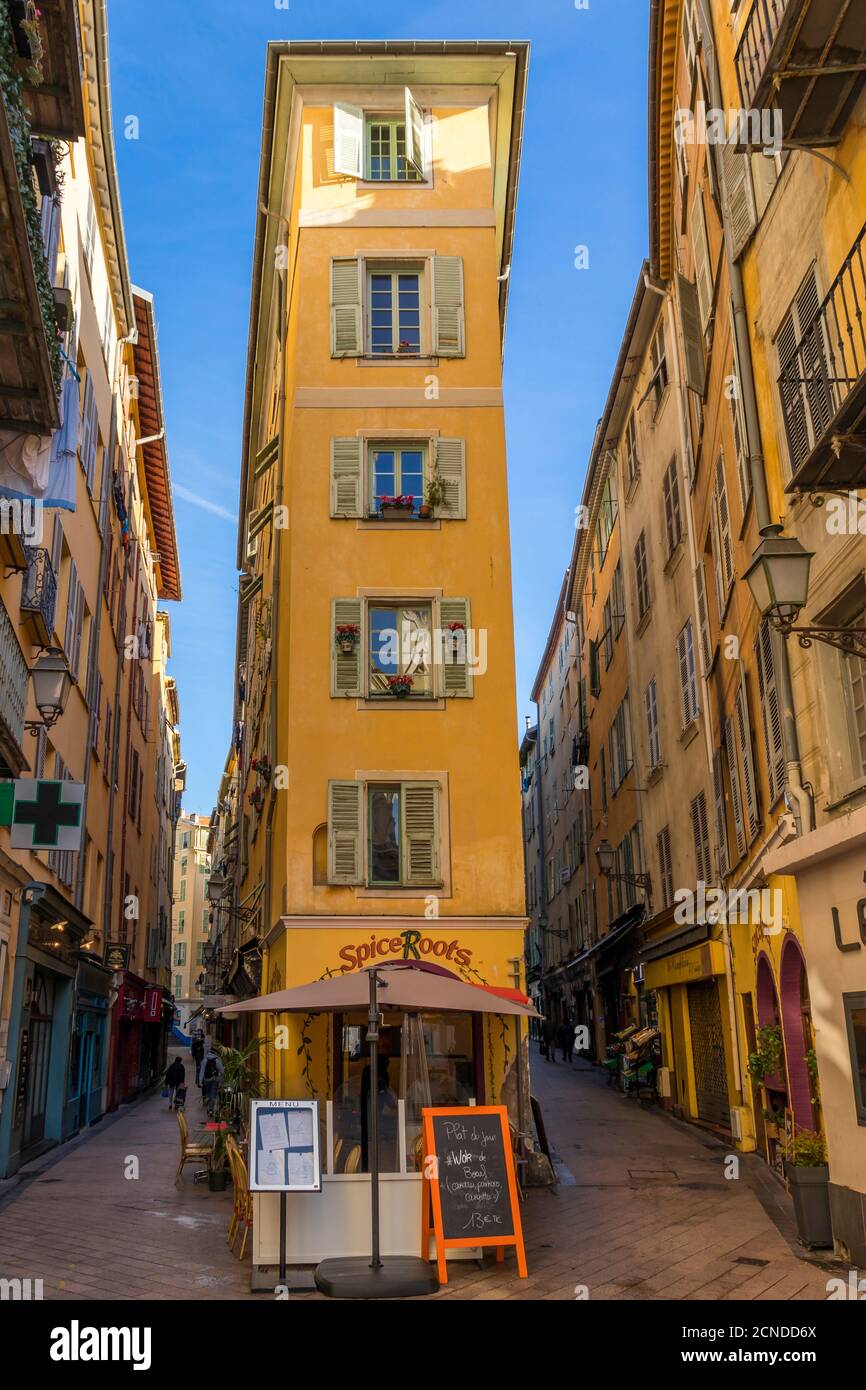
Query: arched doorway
[[797, 1030], [774, 1083]]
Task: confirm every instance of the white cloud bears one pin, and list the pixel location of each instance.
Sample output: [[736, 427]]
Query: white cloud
[[204, 503]]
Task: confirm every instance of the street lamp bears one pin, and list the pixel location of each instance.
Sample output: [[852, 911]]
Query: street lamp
[[779, 580], [217, 888], [51, 686], [606, 856]]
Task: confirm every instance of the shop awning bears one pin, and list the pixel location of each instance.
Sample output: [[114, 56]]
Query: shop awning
[[411, 985]]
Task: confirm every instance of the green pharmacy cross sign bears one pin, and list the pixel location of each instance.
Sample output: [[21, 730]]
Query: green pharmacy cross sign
[[47, 814]]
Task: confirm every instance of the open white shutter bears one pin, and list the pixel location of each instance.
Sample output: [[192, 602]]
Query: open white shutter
[[348, 140], [744, 737], [448, 311], [701, 254], [346, 328], [736, 800], [346, 666], [739, 197], [690, 325], [419, 805], [345, 832], [451, 464], [770, 711], [414, 135], [454, 653], [347, 477]]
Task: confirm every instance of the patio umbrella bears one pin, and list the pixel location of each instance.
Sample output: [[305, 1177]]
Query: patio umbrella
[[413, 986]]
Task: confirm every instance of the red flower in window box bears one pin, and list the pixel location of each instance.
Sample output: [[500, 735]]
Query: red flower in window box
[[256, 798], [347, 636], [390, 507], [401, 686]]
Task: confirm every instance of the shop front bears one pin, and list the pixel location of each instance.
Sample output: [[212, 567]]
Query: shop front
[[87, 1067], [43, 1009], [424, 1058], [127, 1020], [828, 865], [686, 971]]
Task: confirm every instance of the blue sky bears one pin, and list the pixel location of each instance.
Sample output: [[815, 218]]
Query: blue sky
[[193, 74]]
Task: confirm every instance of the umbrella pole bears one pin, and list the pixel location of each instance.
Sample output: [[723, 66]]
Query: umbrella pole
[[373, 1120]]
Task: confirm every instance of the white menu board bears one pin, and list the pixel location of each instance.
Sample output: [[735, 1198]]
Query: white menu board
[[284, 1146]]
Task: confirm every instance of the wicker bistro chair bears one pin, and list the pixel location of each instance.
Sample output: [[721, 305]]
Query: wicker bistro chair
[[189, 1153], [242, 1213]]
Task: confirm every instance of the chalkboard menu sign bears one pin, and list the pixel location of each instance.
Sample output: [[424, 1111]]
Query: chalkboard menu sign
[[470, 1191]]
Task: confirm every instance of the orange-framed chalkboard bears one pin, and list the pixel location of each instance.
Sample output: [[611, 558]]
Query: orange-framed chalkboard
[[469, 1194]]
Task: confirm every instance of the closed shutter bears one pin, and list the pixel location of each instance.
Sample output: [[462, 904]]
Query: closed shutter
[[791, 393], [701, 254], [686, 659], [690, 326], [701, 837], [744, 736], [451, 464], [594, 668], [96, 711], [345, 832], [57, 547], [733, 777], [719, 809], [348, 140], [74, 621], [456, 669], [716, 542], [414, 134], [814, 358], [770, 712], [346, 666], [739, 197], [419, 806], [347, 477], [726, 542], [89, 432], [448, 313], [703, 619], [663, 842], [346, 329]]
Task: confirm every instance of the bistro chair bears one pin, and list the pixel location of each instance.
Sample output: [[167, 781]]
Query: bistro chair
[[189, 1153], [242, 1213], [353, 1160], [338, 1149]]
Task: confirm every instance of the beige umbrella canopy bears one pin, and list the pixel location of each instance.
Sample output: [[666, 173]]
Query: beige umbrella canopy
[[413, 986]]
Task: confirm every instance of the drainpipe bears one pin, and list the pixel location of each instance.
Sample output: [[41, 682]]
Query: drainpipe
[[803, 807]]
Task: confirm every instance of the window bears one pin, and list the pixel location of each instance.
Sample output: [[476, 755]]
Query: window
[[373, 642], [688, 675], [386, 160], [619, 746], [691, 36], [384, 835], [400, 645], [855, 681], [89, 432], [181, 922], [396, 472], [666, 877], [632, 463], [607, 517], [74, 620], [607, 637], [723, 547], [701, 837], [181, 897], [804, 373], [770, 712], [652, 724], [89, 233], [673, 514], [855, 1022], [641, 574], [701, 254], [618, 593], [178, 985], [180, 953], [594, 669], [658, 357], [394, 322]]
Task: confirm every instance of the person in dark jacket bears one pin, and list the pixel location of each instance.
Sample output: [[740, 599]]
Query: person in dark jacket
[[175, 1076], [197, 1051], [550, 1039], [565, 1038]]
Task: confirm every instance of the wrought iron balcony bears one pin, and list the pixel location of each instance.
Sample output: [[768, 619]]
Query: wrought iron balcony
[[14, 676], [39, 595], [823, 386], [807, 57]]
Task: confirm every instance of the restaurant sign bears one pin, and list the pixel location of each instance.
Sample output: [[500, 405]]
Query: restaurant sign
[[405, 945]]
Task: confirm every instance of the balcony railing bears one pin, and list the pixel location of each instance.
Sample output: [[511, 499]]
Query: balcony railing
[[823, 386], [14, 676], [39, 594], [808, 58]]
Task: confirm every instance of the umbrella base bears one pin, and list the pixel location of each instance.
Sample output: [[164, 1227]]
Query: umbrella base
[[398, 1276]]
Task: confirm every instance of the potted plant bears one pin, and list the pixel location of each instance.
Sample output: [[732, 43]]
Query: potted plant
[[240, 1083], [348, 636], [436, 494], [256, 799], [457, 641], [400, 686], [775, 1122], [217, 1164], [396, 508], [767, 1060], [262, 766], [808, 1174], [29, 25]]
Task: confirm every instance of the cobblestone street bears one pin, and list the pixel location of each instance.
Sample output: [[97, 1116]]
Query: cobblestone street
[[642, 1211]]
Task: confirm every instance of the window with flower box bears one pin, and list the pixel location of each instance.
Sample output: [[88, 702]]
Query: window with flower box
[[397, 650], [425, 478]]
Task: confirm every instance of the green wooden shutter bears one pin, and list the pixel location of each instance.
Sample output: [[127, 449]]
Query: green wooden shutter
[[345, 832], [701, 254], [419, 812], [414, 134], [448, 317], [733, 776], [348, 140], [771, 714], [451, 463], [347, 477], [346, 667], [346, 328], [456, 676], [744, 735], [739, 196], [693, 338]]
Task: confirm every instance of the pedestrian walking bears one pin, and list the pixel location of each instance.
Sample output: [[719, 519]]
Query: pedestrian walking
[[197, 1051], [565, 1038], [175, 1076], [211, 1076], [550, 1039]]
